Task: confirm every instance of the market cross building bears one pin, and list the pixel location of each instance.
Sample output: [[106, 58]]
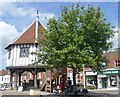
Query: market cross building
[[19, 55]]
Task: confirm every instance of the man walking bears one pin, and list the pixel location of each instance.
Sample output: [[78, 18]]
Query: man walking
[[69, 83]]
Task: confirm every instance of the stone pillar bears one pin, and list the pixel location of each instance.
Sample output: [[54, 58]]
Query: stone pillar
[[35, 79], [117, 79], [108, 81], [118, 82]]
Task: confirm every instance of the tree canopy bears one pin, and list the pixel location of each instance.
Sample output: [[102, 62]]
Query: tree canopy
[[79, 36]]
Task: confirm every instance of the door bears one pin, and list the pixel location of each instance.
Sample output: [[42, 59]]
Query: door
[[104, 82]]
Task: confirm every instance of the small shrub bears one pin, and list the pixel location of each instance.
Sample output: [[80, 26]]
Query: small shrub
[[90, 87], [11, 88]]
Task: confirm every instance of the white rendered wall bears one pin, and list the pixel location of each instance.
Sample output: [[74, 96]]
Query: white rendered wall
[[16, 60], [99, 83], [1, 79], [4, 79]]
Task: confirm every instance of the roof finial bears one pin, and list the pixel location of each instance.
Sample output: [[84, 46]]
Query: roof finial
[[36, 30], [37, 14]]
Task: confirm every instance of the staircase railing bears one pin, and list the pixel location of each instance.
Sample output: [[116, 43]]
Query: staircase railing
[[49, 76], [46, 77]]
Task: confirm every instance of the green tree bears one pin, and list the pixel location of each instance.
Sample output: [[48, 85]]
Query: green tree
[[79, 36]]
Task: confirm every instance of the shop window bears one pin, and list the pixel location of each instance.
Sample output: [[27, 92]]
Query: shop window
[[24, 51], [117, 63], [90, 81], [119, 80], [113, 81]]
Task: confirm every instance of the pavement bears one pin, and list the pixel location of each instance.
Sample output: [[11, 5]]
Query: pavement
[[93, 93], [15, 93], [106, 91]]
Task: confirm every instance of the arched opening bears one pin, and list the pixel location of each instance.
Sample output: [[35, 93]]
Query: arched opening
[[33, 76], [27, 76]]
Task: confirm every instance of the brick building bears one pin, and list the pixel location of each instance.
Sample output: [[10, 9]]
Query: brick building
[[108, 78]]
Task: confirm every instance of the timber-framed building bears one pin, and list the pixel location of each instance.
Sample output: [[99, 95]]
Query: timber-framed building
[[19, 55]]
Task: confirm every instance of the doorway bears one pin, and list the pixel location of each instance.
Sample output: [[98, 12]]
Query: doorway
[[104, 82]]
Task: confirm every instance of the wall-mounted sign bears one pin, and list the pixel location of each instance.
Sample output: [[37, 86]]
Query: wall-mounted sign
[[90, 73], [109, 72]]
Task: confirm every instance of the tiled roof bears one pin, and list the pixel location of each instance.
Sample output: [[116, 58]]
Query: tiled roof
[[3, 72], [29, 35]]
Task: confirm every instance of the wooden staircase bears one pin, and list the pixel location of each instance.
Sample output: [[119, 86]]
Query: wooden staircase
[[49, 76], [46, 81]]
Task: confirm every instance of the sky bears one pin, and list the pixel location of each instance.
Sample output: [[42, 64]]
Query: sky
[[16, 17]]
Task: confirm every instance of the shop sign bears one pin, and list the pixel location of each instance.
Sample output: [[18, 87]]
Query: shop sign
[[91, 73], [109, 72]]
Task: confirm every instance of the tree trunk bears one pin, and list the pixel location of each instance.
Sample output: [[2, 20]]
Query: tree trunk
[[74, 76]]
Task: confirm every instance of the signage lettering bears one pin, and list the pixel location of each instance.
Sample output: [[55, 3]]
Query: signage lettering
[[110, 72]]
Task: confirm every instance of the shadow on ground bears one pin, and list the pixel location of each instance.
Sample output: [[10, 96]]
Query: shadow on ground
[[61, 95]]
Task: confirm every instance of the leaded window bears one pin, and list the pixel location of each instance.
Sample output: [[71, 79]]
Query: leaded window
[[24, 51], [9, 54]]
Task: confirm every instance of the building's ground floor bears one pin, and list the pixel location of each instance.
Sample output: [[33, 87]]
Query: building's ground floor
[[28, 76], [106, 79], [31, 77]]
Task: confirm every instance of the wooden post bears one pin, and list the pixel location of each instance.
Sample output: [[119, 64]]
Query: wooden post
[[16, 79], [10, 79], [35, 79], [19, 75]]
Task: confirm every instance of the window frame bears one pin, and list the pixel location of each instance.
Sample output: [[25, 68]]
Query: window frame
[[117, 63], [113, 81], [9, 53], [24, 52]]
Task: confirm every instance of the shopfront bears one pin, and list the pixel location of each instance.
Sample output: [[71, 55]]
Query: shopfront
[[90, 80], [109, 79]]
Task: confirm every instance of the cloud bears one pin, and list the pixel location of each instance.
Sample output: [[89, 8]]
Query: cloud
[[47, 15], [8, 8], [115, 39], [7, 33], [12, 9], [44, 16]]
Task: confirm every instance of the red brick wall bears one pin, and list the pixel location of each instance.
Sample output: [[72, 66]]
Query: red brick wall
[[112, 56]]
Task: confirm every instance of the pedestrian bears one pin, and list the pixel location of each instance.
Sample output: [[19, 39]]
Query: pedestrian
[[81, 87], [78, 85], [84, 91], [54, 88], [69, 83], [61, 86], [24, 85]]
